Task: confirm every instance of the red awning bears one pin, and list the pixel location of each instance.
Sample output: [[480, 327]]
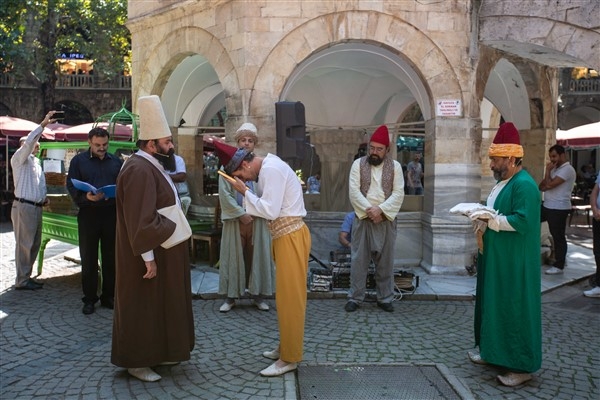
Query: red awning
[[580, 137], [17, 127], [79, 133]]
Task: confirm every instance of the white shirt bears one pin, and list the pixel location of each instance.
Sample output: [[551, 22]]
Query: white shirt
[[499, 223], [278, 191], [28, 177], [559, 198], [375, 195], [182, 187]]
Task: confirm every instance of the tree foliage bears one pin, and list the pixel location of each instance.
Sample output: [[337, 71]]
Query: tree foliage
[[34, 32]]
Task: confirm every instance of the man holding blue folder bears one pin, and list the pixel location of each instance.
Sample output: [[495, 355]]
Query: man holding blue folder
[[96, 218]]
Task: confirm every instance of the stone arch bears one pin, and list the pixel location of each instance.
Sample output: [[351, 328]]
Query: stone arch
[[538, 81], [76, 112], [371, 27], [567, 29], [536, 112], [170, 51]]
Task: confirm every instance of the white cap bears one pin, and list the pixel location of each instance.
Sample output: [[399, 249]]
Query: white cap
[[247, 129], [153, 122]]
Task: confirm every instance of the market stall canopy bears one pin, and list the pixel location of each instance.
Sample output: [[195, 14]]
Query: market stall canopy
[[580, 137], [79, 133], [17, 127], [57, 126]]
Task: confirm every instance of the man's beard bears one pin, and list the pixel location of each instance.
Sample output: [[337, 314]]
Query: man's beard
[[374, 160], [166, 160], [498, 174]]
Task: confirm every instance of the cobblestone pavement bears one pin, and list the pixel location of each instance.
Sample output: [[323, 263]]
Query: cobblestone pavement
[[51, 350]]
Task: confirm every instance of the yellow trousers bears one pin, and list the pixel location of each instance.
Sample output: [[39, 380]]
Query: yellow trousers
[[290, 253]]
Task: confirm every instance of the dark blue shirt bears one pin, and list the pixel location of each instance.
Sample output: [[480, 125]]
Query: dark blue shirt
[[97, 172]]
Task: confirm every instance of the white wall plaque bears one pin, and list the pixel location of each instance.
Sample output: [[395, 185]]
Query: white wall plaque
[[448, 108]]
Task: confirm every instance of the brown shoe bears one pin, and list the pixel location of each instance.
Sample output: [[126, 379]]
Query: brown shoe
[[513, 378]]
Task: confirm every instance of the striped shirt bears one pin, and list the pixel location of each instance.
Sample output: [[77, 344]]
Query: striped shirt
[[29, 179]]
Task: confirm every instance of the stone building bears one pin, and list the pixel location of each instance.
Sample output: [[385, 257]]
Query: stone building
[[444, 72]]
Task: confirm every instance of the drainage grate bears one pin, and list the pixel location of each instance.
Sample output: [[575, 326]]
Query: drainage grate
[[342, 382]]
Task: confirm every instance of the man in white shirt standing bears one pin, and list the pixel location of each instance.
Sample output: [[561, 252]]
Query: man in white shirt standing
[[376, 193], [414, 174], [179, 177], [557, 186], [30, 196]]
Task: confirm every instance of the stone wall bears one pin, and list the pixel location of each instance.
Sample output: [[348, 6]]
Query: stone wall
[[26, 103], [255, 47]]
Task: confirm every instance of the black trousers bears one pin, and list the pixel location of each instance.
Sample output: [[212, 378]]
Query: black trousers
[[96, 227], [596, 233], [557, 224]]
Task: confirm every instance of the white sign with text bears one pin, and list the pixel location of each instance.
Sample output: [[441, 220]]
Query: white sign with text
[[449, 108]]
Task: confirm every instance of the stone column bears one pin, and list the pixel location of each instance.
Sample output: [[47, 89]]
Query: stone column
[[336, 149], [189, 146], [452, 176]]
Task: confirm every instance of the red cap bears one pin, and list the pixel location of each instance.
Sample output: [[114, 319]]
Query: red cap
[[507, 133], [506, 142], [381, 136], [230, 157]]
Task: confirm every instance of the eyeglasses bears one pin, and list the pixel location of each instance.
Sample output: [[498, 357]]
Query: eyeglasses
[[377, 149]]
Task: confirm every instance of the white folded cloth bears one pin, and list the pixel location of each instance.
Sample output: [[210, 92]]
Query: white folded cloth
[[474, 211]]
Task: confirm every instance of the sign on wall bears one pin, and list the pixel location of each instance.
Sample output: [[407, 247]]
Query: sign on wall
[[448, 108]]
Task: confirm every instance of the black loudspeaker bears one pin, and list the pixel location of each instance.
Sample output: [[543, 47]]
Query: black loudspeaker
[[291, 130]]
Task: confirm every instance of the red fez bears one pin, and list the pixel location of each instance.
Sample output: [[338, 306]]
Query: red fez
[[230, 157], [506, 142], [381, 136], [507, 133]]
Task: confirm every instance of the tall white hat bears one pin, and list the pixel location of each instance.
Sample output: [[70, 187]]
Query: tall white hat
[[153, 122]]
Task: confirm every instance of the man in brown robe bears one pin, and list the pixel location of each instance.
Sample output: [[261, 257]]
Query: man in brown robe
[[153, 318]]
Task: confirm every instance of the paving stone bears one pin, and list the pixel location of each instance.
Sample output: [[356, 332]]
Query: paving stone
[[51, 350]]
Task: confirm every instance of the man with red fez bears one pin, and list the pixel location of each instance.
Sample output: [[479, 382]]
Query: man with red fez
[[278, 198], [508, 326], [376, 193], [153, 320]]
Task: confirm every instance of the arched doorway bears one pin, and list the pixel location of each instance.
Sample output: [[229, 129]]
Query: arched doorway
[[348, 90]]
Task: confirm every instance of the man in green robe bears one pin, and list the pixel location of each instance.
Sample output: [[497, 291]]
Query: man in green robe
[[508, 326]]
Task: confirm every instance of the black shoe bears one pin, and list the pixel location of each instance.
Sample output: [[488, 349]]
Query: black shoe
[[88, 308], [107, 303], [351, 306], [30, 285], [40, 284], [387, 307]]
